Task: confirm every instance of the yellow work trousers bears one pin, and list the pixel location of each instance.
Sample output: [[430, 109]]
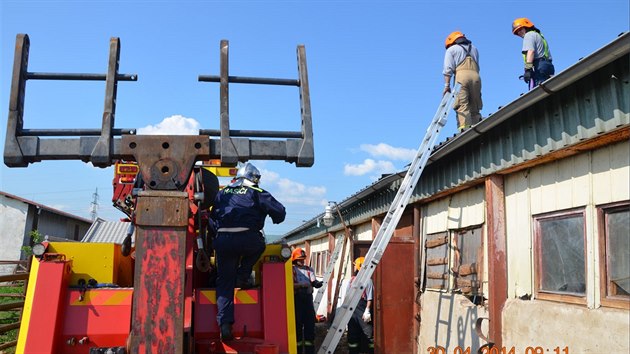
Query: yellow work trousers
[[468, 101]]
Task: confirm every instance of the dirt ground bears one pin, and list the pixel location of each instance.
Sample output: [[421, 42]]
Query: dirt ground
[[321, 329]]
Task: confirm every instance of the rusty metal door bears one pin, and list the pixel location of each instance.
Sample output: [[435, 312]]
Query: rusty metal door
[[395, 292]]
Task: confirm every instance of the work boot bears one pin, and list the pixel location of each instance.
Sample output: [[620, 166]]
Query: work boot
[[244, 284], [226, 332]]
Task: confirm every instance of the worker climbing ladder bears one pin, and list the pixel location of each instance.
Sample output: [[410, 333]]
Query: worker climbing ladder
[[386, 230]]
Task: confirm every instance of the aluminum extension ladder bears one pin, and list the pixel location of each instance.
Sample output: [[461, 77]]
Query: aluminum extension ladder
[[386, 230], [329, 270]]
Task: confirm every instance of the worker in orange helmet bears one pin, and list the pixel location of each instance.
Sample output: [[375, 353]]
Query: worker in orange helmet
[[461, 60], [303, 283], [360, 328], [536, 54]]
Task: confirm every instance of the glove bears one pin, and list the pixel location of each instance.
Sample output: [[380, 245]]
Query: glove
[[527, 76], [367, 316], [317, 284]]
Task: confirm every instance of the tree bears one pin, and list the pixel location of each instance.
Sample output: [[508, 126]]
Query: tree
[[35, 237]]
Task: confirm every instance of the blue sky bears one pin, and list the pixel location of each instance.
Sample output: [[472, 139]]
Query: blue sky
[[374, 71]]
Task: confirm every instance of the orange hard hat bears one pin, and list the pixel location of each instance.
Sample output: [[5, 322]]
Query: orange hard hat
[[452, 38], [358, 263], [519, 23], [298, 253]]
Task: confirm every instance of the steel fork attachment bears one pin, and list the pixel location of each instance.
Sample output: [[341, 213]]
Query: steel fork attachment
[[159, 320]]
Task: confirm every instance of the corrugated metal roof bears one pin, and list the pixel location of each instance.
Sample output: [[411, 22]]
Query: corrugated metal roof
[[103, 231], [587, 100]]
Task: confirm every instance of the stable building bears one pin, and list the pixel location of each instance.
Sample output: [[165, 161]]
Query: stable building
[[518, 232]]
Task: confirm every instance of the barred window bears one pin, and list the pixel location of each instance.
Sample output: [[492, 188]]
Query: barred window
[[437, 261], [468, 253]]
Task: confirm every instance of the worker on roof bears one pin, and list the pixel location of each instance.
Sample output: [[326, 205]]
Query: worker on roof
[[461, 60], [303, 283], [536, 54], [239, 212], [360, 328]]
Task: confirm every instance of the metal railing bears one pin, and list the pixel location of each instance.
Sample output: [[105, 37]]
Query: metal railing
[[17, 280]]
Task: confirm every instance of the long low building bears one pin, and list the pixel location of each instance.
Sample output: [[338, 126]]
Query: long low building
[[518, 232], [19, 217]]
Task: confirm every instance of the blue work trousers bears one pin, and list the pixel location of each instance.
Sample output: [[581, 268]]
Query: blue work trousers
[[237, 253], [543, 69]]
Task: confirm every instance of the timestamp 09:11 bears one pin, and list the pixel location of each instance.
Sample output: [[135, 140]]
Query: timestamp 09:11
[[497, 350]]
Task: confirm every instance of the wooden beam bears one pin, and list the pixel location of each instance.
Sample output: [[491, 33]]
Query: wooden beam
[[497, 262]]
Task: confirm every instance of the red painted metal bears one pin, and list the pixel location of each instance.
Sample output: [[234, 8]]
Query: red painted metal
[[48, 307], [158, 307], [247, 316], [102, 318], [274, 297], [395, 292], [260, 317]]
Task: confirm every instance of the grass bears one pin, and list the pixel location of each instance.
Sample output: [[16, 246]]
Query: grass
[[8, 317]]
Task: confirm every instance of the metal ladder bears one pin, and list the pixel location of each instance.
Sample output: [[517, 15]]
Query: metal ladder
[[386, 230], [329, 270]]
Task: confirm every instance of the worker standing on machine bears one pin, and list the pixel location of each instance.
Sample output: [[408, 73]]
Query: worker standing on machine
[[239, 211], [303, 283]]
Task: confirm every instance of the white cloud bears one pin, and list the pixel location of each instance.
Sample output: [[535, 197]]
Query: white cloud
[[173, 125], [291, 192], [388, 151], [369, 166]]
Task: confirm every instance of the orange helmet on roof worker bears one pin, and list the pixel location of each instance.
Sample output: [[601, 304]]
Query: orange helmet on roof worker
[[298, 253], [522, 22], [451, 38], [358, 263]]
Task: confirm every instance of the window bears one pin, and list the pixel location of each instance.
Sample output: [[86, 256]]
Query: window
[[467, 260], [614, 251], [560, 256], [319, 262], [437, 260]]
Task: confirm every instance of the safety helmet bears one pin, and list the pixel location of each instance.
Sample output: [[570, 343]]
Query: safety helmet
[[358, 263], [298, 253], [450, 40], [249, 172], [522, 22]]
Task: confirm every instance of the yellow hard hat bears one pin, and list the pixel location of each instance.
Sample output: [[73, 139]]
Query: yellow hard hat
[[358, 263], [452, 38], [519, 23]]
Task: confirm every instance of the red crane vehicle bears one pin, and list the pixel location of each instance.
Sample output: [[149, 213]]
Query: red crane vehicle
[[153, 293]]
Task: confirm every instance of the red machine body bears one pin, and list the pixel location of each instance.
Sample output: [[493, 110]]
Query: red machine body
[[75, 307]]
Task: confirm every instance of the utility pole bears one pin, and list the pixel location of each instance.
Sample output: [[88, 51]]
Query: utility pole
[[94, 205]]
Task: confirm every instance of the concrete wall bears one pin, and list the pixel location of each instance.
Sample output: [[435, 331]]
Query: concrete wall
[[441, 308], [549, 324], [12, 225]]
